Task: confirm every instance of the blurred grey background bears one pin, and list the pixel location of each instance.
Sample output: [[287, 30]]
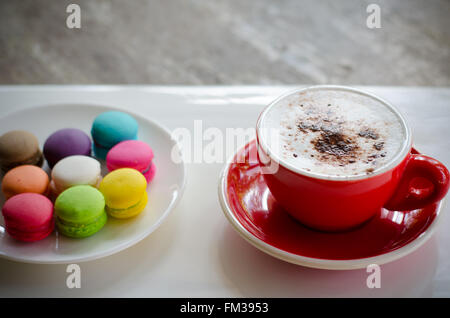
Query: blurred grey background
[[230, 42]]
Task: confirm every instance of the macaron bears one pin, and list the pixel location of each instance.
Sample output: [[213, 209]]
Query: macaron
[[75, 170], [110, 128], [125, 193], [66, 142], [133, 154], [19, 147], [80, 211], [24, 179], [28, 217]]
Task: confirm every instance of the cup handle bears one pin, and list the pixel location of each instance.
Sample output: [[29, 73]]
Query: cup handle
[[424, 181]]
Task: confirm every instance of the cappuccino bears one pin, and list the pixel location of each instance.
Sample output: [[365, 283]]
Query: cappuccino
[[333, 132]]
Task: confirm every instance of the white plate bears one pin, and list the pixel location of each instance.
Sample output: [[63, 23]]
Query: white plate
[[164, 191]]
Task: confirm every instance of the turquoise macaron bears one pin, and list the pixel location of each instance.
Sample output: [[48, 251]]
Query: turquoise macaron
[[80, 211], [110, 128]]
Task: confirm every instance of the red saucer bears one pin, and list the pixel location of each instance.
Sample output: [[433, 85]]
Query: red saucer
[[255, 214]]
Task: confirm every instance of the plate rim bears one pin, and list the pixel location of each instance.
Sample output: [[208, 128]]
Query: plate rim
[[312, 262], [146, 233]]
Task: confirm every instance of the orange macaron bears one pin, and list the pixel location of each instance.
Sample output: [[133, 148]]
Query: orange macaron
[[26, 178]]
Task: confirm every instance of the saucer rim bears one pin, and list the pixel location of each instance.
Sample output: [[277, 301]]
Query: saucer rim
[[312, 262]]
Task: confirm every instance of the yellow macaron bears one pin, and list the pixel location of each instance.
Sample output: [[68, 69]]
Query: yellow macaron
[[125, 192]]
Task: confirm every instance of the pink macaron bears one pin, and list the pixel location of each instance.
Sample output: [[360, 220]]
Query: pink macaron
[[133, 154], [28, 216]]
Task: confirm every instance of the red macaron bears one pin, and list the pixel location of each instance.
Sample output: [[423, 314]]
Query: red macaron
[[28, 217]]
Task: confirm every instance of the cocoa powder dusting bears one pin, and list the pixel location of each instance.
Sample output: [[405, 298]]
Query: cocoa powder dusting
[[334, 143], [378, 145], [368, 133]]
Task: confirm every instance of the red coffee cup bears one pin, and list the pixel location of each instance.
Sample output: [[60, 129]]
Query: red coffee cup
[[334, 203]]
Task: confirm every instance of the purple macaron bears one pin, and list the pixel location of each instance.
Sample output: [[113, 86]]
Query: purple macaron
[[66, 142]]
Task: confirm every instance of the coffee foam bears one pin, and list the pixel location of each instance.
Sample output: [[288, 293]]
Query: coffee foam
[[333, 132]]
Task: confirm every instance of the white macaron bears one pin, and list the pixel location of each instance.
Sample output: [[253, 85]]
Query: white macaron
[[75, 170]]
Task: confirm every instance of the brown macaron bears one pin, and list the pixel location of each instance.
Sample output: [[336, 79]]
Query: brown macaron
[[19, 147]]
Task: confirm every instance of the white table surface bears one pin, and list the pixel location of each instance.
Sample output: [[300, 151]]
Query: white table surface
[[196, 252]]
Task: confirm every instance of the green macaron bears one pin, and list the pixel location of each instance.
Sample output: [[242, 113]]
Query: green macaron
[[80, 211]]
